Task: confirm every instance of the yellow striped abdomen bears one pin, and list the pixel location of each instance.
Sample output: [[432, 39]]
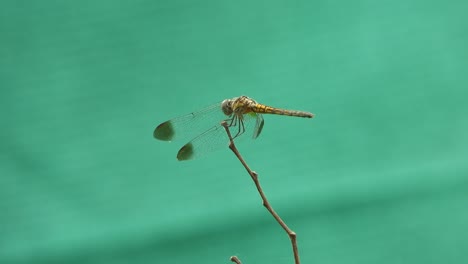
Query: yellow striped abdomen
[[264, 109]]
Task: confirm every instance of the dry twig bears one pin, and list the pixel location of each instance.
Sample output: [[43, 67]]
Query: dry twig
[[235, 260], [266, 204]]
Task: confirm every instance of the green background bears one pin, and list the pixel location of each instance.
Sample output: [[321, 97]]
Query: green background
[[379, 176]]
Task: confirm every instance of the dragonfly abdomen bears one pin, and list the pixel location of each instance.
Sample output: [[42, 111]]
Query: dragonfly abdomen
[[264, 109]]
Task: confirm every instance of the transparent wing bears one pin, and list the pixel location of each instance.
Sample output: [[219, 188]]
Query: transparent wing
[[190, 125], [258, 126], [216, 137]]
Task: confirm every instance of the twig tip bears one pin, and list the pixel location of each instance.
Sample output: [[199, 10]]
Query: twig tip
[[235, 260]]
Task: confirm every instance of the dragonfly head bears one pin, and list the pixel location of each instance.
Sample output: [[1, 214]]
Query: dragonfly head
[[226, 106]]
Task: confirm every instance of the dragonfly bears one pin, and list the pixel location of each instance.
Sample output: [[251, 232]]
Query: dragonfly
[[243, 115]]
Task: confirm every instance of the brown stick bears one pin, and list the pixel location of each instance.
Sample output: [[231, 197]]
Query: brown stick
[[266, 204], [235, 260]]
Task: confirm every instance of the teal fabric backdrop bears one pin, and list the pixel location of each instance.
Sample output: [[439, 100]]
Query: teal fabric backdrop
[[380, 175]]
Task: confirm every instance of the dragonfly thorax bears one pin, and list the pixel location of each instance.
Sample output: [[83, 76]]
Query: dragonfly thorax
[[238, 105]]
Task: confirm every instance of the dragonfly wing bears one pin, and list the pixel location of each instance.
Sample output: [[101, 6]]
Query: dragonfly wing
[[210, 140], [189, 125], [216, 137], [259, 122]]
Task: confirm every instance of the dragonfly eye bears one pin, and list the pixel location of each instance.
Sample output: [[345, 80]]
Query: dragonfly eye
[[226, 106]]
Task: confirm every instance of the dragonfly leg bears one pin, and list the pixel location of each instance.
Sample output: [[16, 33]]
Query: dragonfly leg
[[240, 128], [236, 121], [233, 121]]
